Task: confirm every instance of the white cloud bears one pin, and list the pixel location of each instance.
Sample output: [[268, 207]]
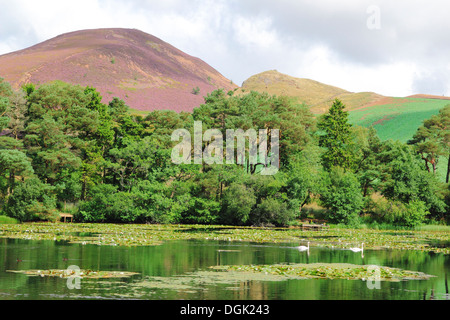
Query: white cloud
[[255, 33], [395, 79], [325, 40]]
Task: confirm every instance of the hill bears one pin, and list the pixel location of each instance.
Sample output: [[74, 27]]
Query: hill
[[397, 118], [316, 95], [393, 118], [144, 71]]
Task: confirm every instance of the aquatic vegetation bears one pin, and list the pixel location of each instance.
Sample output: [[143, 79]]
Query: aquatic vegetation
[[235, 275], [84, 274], [328, 271], [150, 235]]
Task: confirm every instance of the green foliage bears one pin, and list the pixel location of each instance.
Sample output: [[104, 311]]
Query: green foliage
[[4, 105], [336, 138], [14, 163], [341, 195], [8, 220], [409, 215], [260, 111], [64, 148], [196, 91], [405, 179], [238, 204], [303, 178], [202, 211], [96, 210], [432, 140], [32, 200], [273, 211], [28, 89]]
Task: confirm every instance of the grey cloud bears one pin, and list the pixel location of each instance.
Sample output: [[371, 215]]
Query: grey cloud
[[14, 31], [435, 82], [412, 32]]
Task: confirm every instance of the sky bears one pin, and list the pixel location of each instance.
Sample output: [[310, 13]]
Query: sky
[[395, 48]]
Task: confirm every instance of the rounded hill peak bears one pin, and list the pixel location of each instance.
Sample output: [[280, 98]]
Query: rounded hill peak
[[139, 68]]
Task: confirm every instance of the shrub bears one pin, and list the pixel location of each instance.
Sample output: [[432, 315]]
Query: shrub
[[42, 212], [342, 197], [409, 215], [202, 211], [8, 220], [272, 211], [32, 200], [155, 204], [196, 91], [238, 203], [95, 210]]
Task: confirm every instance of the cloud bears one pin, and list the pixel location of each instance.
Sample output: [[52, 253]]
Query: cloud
[[325, 40]]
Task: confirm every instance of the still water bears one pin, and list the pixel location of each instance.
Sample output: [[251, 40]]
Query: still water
[[169, 272]]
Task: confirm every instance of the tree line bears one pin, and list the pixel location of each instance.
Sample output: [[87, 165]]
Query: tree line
[[63, 150]]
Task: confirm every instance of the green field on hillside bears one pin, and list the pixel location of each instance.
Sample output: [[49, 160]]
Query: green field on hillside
[[399, 120]]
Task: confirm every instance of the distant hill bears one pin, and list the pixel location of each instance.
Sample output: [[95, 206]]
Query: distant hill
[[144, 71], [393, 117], [316, 95]]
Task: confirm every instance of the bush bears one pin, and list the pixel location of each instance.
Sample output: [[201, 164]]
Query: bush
[[400, 214], [202, 211], [96, 210], [196, 91], [154, 204], [272, 211], [32, 200], [342, 197], [8, 220], [42, 211], [238, 203]]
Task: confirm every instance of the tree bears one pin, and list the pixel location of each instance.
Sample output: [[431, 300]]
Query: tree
[[404, 178], [336, 138], [50, 150], [259, 111], [341, 195], [272, 211], [14, 163], [4, 106], [196, 91], [238, 204], [32, 200], [17, 114], [302, 178], [68, 128], [432, 140], [367, 165]]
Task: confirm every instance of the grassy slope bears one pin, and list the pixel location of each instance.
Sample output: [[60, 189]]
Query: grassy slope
[[317, 96], [400, 119]]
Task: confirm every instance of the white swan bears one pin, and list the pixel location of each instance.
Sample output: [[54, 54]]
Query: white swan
[[303, 248], [358, 249]]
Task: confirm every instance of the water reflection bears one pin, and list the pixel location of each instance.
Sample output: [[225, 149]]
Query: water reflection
[[180, 258]]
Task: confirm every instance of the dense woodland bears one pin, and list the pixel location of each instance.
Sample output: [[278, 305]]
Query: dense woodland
[[63, 150]]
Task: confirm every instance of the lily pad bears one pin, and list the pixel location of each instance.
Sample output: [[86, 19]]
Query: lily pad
[[84, 274], [152, 235], [327, 271]]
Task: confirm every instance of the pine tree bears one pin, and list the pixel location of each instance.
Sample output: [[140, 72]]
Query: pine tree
[[336, 138]]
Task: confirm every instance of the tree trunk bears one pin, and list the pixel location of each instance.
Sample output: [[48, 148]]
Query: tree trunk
[[448, 170], [83, 188]]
